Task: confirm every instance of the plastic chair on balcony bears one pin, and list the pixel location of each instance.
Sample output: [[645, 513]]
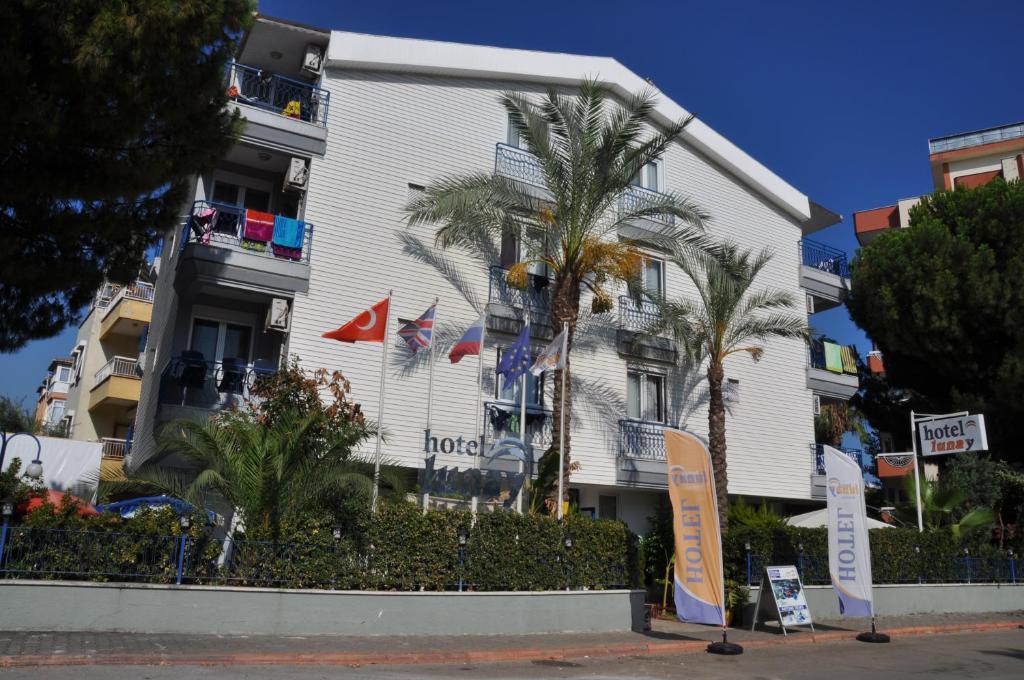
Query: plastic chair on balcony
[[232, 378], [192, 368]]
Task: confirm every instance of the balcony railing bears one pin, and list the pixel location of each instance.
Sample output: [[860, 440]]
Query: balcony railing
[[114, 448], [518, 164], [856, 455], [191, 380], [137, 290], [535, 299], [501, 419], [637, 198], [263, 90], [824, 258], [643, 440], [220, 224], [817, 357], [637, 315], [125, 367]]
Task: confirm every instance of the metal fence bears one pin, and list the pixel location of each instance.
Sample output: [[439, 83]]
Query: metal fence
[[814, 570], [641, 440], [824, 258], [270, 92], [221, 224], [518, 164], [637, 315]]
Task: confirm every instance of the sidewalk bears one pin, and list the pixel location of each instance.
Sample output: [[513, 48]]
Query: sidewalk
[[668, 637]]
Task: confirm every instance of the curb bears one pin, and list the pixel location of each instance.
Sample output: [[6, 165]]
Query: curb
[[468, 656]]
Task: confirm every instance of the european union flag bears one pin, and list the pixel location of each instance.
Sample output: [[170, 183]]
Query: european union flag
[[515, 360]]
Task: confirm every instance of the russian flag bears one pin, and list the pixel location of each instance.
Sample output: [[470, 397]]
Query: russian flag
[[469, 343]]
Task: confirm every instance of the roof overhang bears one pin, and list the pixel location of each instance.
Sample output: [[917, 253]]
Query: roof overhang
[[405, 55]]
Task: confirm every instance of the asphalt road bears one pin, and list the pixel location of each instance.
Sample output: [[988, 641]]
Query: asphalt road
[[971, 655]]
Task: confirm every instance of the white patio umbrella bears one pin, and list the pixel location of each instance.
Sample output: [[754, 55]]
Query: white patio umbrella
[[819, 518]]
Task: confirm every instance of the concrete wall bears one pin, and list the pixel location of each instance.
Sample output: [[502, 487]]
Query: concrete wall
[[898, 600], [98, 607]]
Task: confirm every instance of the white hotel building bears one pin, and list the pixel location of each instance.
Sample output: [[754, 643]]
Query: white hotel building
[[381, 117]]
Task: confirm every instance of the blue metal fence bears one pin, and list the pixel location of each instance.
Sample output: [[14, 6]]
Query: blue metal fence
[[270, 92], [824, 258]]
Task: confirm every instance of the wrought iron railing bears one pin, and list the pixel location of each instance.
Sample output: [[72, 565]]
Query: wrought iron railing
[[637, 315], [125, 367], [643, 440], [534, 299], [518, 164], [223, 225], [110, 293], [263, 90], [824, 258], [856, 455], [637, 198], [501, 419], [114, 448], [191, 380]]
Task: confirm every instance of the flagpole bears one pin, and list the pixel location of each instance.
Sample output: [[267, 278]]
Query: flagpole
[[561, 427], [478, 418], [917, 472], [522, 431], [430, 390], [380, 409]]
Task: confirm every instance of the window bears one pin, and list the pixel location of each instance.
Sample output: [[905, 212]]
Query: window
[[731, 391], [218, 339], [256, 200], [607, 507], [645, 396], [534, 388], [513, 137], [64, 374], [654, 277], [240, 195], [225, 192], [647, 177], [56, 412]]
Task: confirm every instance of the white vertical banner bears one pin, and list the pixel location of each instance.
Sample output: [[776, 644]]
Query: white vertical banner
[[849, 554]]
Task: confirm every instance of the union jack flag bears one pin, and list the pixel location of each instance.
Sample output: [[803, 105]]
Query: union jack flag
[[419, 333]]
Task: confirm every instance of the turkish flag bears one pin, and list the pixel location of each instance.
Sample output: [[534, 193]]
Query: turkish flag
[[368, 326]]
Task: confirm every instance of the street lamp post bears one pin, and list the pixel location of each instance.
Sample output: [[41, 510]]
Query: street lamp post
[[568, 562], [34, 470], [7, 507], [462, 555], [185, 524]]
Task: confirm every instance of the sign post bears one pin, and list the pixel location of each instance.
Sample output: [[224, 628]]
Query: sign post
[[782, 594], [941, 434]]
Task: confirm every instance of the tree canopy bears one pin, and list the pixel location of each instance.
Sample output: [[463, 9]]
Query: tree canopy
[[112, 106], [944, 301]]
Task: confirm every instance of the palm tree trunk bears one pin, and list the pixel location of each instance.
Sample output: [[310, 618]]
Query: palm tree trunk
[[565, 309], [716, 440]]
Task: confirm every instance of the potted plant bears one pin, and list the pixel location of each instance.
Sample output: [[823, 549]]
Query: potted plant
[[737, 595]]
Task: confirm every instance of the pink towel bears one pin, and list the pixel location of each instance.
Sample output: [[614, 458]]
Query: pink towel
[[259, 226]]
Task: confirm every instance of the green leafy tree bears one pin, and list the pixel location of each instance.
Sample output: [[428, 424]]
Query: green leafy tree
[[112, 106], [588, 150], [943, 300], [943, 505], [726, 318], [16, 417]]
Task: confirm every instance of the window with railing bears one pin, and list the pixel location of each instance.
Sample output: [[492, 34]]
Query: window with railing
[[518, 164], [125, 367], [225, 225], [637, 315], [535, 298], [641, 440], [824, 258], [637, 199], [503, 420], [285, 96]]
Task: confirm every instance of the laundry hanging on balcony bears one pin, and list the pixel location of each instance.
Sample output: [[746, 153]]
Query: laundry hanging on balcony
[[833, 357], [258, 229], [849, 360], [289, 233]]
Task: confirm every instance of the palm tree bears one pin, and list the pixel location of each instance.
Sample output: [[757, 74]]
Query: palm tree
[[265, 471], [941, 504], [726, 318], [588, 150]]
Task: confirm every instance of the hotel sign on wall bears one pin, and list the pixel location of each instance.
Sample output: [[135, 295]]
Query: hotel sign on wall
[[955, 434]]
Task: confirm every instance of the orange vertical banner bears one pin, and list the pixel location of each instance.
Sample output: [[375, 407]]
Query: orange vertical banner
[[699, 580]]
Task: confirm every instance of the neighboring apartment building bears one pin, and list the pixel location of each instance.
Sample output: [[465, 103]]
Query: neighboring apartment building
[[52, 403], [342, 129], [103, 377]]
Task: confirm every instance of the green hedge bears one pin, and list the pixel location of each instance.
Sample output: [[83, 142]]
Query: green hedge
[[399, 548]]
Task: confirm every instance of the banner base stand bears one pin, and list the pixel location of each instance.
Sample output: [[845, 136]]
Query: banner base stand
[[724, 647], [873, 636]]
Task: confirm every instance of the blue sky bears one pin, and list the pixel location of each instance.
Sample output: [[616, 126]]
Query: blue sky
[[837, 98]]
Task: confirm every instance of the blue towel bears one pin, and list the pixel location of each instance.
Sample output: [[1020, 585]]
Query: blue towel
[[289, 232]]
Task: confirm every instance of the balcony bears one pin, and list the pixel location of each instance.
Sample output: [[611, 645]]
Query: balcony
[[637, 198], [641, 454], [824, 274], [114, 448], [507, 305], [832, 369], [117, 384], [190, 383], [501, 419], [219, 244], [635, 338], [818, 477], [129, 311], [280, 111], [518, 164]]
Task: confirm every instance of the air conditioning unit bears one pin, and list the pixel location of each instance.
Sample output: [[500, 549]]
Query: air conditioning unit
[[810, 304], [313, 59], [817, 405], [277, 315], [297, 175]]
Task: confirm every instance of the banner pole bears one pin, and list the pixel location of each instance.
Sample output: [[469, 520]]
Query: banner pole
[[479, 415], [522, 433], [380, 409], [430, 390], [561, 427], [917, 472]]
